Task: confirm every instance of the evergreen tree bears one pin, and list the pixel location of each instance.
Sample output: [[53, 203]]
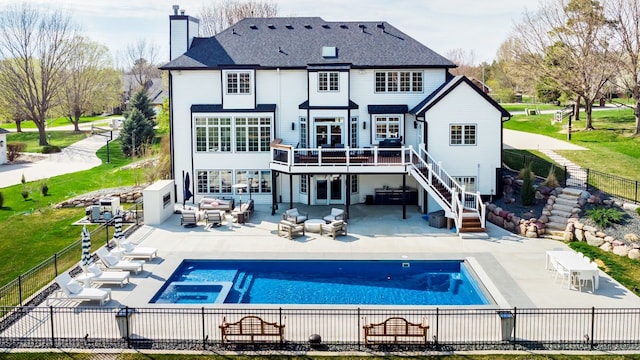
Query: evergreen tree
[[137, 131], [141, 101]]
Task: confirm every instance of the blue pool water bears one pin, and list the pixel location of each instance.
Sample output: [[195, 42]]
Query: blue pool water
[[354, 282]]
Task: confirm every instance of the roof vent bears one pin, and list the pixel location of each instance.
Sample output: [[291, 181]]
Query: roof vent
[[289, 27], [344, 26], [362, 26], [329, 51], [381, 26], [271, 26], [307, 26], [175, 9], [326, 26], [253, 27]]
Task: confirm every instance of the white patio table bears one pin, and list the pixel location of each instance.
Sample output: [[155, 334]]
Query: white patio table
[[573, 263]]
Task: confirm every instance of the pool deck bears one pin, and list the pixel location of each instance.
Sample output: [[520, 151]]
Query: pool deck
[[514, 265]]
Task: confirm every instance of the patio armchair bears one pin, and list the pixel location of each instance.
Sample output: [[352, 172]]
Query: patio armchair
[[188, 218], [213, 217], [338, 227], [336, 214], [295, 216]]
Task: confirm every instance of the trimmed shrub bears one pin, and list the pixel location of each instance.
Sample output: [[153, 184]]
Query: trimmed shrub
[[604, 216], [638, 211], [50, 149], [14, 149], [44, 187], [25, 194]]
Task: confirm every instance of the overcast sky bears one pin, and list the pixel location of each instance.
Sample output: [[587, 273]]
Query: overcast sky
[[442, 25]]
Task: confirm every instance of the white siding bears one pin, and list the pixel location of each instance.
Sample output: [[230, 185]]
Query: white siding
[[286, 89], [329, 98], [178, 38], [465, 106], [238, 101]]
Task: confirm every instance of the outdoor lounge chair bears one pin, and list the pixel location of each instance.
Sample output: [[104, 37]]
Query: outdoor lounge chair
[[188, 218], [106, 277], [294, 216], [334, 228], [73, 290], [336, 214], [112, 263], [213, 217], [137, 252]]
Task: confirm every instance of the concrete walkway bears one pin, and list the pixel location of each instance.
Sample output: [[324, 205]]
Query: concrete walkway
[[76, 157]]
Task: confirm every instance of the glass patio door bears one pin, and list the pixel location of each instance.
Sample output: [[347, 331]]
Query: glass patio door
[[329, 191], [329, 131]]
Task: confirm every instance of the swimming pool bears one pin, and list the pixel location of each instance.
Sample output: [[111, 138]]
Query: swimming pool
[[354, 282]]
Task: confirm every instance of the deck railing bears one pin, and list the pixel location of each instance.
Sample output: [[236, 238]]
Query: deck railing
[[198, 328], [427, 171]]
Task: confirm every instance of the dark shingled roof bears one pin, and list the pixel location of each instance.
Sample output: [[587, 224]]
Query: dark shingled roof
[[444, 89], [296, 42]]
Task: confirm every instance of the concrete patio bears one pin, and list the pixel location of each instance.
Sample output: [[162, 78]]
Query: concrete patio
[[510, 266]]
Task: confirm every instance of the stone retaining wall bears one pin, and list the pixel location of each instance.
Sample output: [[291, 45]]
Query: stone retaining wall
[[129, 195], [575, 230]]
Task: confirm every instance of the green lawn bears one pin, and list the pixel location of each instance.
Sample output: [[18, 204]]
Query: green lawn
[[521, 106], [612, 149], [42, 231], [61, 121], [60, 139]]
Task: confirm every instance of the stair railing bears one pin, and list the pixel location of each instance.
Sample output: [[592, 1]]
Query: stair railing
[[460, 198]]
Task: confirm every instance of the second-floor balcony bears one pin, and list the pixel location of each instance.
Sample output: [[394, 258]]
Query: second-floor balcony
[[288, 159]]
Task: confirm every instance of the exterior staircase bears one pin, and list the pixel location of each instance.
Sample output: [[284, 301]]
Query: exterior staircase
[[466, 209], [561, 211]]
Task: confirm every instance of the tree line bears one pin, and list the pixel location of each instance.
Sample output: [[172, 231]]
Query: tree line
[[578, 51]]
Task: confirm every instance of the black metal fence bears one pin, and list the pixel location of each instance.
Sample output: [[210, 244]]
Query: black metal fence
[[198, 328], [20, 290], [587, 179]]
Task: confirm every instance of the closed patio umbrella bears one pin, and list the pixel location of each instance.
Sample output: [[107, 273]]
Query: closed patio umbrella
[[186, 193], [86, 247], [117, 222]]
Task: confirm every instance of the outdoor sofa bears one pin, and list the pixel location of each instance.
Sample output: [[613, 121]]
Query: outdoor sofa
[[207, 203]]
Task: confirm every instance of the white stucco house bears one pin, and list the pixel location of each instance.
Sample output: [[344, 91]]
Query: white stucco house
[[304, 110]]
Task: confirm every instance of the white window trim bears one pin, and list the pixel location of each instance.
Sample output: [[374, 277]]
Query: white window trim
[[374, 127], [464, 131], [237, 75], [328, 81], [398, 91]]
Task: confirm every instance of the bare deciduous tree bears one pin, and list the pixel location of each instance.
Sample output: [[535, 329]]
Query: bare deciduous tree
[[626, 13], [219, 15], [36, 47], [568, 41], [466, 61], [92, 82], [141, 58]]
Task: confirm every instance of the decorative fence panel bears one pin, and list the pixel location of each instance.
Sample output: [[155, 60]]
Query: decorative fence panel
[[339, 328]]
